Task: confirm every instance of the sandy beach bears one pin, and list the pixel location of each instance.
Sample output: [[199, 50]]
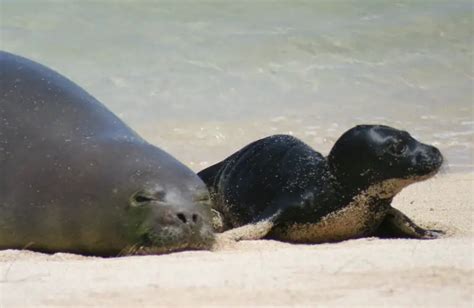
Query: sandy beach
[[363, 272]]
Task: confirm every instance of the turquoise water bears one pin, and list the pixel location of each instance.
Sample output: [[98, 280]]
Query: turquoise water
[[201, 79]]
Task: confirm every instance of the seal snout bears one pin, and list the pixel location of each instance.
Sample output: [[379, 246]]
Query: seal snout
[[169, 214], [172, 219], [188, 218], [428, 158]]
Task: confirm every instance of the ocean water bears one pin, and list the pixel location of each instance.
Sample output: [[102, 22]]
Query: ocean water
[[201, 79]]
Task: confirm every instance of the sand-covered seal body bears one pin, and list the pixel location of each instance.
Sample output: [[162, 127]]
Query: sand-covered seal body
[[281, 188], [75, 178]]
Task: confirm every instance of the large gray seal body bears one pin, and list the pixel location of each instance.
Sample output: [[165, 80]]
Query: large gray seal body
[[75, 178]]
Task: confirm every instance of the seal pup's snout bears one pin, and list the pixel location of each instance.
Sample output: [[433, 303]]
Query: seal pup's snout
[[437, 157], [428, 158]]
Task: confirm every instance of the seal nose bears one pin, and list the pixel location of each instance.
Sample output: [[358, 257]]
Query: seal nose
[[188, 218], [439, 157], [429, 157]]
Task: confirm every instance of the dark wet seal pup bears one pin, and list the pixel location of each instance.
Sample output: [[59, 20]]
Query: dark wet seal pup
[[279, 187], [75, 178]]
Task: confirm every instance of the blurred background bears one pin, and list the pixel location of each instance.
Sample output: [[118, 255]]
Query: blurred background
[[201, 79]]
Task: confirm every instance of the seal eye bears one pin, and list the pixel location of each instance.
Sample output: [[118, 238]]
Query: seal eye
[[397, 148], [141, 198], [203, 198]]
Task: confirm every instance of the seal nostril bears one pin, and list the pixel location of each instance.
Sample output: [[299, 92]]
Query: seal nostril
[[182, 217], [195, 218]]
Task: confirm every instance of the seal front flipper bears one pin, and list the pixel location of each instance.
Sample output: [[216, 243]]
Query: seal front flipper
[[397, 224], [218, 223], [255, 230]]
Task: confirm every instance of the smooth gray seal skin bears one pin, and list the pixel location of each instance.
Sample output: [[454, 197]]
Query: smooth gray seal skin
[[75, 178], [279, 187]]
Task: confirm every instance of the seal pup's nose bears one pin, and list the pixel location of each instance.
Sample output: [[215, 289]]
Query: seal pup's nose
[[429, 156]]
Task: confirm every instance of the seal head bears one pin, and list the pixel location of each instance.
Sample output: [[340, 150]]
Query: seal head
[[369, 154]]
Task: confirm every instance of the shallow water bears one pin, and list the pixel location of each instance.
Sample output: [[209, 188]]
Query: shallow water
[[202, 79]]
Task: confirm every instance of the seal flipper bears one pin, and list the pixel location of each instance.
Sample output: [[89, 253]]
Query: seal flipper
[[255, 230], [397, 224], [218, 223]]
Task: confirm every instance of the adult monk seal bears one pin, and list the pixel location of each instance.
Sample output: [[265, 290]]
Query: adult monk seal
[[279, 187], [75, 178]]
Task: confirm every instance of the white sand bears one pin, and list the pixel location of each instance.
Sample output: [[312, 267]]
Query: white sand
[[364, 272]]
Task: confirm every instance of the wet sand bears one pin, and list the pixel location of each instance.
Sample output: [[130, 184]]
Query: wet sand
[[364, 272]]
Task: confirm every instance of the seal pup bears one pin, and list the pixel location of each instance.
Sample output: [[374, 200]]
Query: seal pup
[[280, 188], [75, 178]]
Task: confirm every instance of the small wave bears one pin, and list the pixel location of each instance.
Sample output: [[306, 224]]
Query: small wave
[[454, 134]]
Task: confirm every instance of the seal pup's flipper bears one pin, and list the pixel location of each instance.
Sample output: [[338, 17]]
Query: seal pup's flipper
[[255, 230], [397, 224], [218, 224]]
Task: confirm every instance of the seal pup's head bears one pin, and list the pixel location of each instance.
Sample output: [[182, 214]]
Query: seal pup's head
[[369, 154]]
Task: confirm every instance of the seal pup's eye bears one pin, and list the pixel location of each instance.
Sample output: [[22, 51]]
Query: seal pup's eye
[[397, 148]]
